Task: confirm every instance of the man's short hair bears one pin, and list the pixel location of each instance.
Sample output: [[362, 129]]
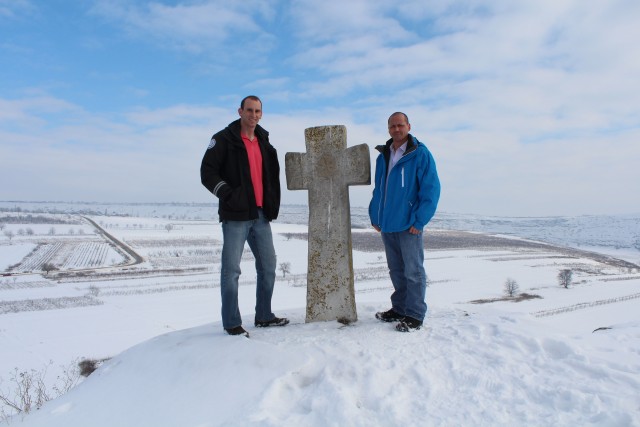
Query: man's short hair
[[251, 97], [401, 113]]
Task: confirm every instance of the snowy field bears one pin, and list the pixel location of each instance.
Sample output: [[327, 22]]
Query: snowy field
[[139, 285]]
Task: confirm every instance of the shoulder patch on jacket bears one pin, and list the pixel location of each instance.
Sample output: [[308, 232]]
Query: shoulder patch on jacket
[[211, 144]]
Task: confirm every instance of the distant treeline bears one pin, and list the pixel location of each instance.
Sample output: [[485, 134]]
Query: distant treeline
[[48, 210], [35, 219]]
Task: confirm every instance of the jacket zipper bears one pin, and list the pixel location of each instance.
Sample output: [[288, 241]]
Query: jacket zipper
[[384, 195]]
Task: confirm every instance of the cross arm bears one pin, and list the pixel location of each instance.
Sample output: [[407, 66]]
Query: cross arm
[[358, 165], [295, 171]]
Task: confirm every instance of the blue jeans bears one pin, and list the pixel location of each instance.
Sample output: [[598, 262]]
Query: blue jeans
[[258, 234], [405, 259]]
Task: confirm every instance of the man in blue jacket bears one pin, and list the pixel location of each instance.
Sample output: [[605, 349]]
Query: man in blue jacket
[[405, 197]]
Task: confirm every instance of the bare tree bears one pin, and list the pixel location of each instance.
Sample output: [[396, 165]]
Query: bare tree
[[9, 234], [564, 277], [168, 227], [48, 267], [285, 267], [28, 391], [511, 287]]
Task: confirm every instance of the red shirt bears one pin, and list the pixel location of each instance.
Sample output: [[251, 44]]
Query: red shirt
[[255, 166]]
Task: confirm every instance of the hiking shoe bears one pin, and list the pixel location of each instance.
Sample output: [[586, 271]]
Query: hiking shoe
[[388, 316], [276, 321], [238, 330], [408, 324]]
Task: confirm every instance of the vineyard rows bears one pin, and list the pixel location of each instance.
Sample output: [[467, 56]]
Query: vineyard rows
[[41, 254], [176, 258], [87, 255], [182, 252], [146, 243], [47, 304], [183, 261], [8, 285], [68, 255], [106, 289], [158, 290], [212, 280], [584, 305]]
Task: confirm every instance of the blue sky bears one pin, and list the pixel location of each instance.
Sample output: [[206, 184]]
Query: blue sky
[[529, 107]]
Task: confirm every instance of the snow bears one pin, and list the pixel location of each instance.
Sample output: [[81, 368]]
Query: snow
[[12, 254], [171, 364], [476, 369]]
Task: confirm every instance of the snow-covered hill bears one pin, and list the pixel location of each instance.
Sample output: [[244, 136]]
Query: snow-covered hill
[[557, 357], [484, 368]]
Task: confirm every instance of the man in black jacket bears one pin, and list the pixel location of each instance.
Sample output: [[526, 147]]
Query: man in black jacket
[[241, 168]]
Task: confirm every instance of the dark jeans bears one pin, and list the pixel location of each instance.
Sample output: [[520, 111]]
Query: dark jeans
[[405, 259]]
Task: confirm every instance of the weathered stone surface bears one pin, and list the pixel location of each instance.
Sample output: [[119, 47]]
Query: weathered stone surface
[[326, 170]]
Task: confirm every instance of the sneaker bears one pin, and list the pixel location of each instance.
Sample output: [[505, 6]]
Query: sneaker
[[238, 330], [408, 324], [276, 321], [388, 316]]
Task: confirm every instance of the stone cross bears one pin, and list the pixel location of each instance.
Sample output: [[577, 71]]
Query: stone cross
[[326, 170]]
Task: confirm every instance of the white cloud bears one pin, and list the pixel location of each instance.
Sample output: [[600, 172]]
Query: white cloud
[[511, 43], [150, 155], [324, 22], [27, 113], [196, 27]]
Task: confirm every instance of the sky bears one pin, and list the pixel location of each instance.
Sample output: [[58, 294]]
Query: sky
[[530, 108]]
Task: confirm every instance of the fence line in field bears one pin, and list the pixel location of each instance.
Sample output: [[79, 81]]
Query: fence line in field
[[584, 305]]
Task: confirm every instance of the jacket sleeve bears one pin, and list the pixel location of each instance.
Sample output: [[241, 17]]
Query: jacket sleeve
[[376, 198], [429, 192], [211, 167], [271, 171]]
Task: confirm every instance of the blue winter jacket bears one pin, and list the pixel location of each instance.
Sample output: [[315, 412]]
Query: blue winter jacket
[[411, 196]]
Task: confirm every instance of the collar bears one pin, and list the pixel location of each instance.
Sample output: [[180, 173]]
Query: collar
[[402, 148]]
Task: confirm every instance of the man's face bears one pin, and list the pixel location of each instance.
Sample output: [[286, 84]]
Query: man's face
[[398, 128], [251, 114]]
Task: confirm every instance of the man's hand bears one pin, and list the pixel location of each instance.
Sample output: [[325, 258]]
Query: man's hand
[[413, 230], [376, 228]]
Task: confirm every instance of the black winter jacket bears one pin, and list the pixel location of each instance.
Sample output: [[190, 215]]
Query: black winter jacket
[[225, 172]]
